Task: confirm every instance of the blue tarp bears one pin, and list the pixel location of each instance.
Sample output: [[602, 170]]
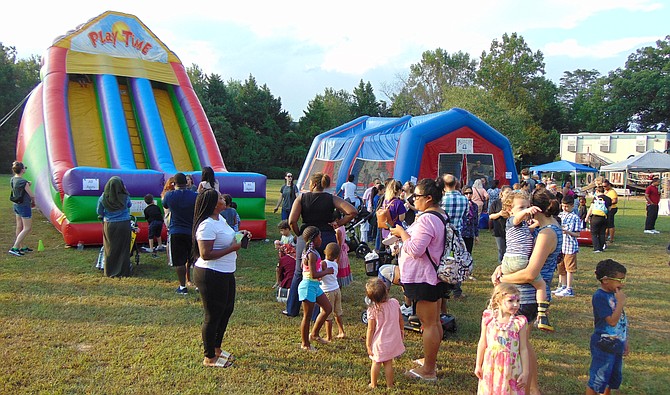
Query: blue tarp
[[563, 165]]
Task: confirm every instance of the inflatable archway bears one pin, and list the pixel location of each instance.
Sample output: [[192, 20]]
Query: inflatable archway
[[115, 101], [411, 148]]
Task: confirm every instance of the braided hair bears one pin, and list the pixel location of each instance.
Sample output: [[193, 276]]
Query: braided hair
[[205, 204]]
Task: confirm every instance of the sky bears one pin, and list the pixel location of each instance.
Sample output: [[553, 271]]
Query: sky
[[299, 48]]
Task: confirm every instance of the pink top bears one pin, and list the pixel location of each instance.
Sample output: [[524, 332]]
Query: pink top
[[387, 337], [479, 195], [426, 233]]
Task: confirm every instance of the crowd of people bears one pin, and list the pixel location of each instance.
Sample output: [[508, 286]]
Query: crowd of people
[[535, 225]]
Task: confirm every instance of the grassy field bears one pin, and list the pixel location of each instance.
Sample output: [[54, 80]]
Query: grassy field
[[66, 329]]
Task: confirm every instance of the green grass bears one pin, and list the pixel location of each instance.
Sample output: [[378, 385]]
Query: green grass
[[66, 329]]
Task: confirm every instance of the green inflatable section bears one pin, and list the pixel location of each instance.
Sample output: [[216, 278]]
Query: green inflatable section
[[83, 208]]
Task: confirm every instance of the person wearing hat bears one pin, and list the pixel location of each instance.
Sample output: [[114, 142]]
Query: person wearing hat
[[653, 197], [288, 193], [22, 197], [181, 203]]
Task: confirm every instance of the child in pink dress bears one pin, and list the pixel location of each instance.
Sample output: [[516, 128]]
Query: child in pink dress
[[344, 276], [385, 335], [502, 354]]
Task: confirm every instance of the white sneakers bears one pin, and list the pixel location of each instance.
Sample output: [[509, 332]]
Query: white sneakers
[[651, 232], [405, 310]]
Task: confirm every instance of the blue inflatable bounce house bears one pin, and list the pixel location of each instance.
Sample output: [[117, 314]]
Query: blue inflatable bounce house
[[409, 149]]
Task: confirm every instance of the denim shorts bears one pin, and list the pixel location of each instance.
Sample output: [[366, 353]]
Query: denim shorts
[[23, 210], [606, 368], [309, 290]]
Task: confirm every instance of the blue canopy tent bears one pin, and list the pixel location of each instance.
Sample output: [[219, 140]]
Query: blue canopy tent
[[564, 166]]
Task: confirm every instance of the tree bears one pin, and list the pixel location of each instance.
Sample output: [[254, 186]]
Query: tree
[[17, 78], [510, 70], [422, 91], [639, 94], [324, 112], [364, 101]]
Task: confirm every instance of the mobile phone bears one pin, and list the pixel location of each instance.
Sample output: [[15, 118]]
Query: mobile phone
[[245, 241], [388, 225]]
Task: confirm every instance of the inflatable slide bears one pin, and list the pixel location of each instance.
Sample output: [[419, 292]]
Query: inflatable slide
[[115, 101]]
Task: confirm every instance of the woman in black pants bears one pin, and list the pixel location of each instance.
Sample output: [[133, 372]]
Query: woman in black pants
[[215, 247], [597, 217]]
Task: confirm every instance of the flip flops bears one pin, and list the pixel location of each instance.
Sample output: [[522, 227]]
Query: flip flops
[[416, 375], [225, 360]]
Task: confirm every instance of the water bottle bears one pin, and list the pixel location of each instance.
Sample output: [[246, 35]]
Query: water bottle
[[80, 246]]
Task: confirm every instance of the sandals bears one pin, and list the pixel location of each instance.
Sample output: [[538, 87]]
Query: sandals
[[225, 360], [416, 375]]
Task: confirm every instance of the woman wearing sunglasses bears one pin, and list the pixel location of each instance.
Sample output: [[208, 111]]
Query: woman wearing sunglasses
[[288, 193]]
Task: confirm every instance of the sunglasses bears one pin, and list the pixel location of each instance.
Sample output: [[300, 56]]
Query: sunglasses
[[467, 193], [620, 280], [416, 195], [289, 176]]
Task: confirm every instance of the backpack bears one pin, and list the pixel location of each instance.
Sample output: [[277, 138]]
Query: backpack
[[16, 199], [456, 264], [599, 204]]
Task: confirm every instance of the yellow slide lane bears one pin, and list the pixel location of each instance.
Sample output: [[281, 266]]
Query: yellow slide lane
[[87, 135], [180, 156]]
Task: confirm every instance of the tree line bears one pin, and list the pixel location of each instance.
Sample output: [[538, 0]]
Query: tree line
[[505, 86]]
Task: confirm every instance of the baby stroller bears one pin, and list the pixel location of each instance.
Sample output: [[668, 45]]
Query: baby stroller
[[134, 247], [353, 239]]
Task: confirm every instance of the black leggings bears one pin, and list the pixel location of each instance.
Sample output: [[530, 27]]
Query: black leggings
[[217, 291]]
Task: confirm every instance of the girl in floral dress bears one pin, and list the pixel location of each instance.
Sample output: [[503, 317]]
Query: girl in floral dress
[[502, 354]]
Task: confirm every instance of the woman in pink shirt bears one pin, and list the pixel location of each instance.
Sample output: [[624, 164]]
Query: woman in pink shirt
[[418, 274], [480, 196]]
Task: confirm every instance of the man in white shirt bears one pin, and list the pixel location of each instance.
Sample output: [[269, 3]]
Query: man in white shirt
[[349, 189]]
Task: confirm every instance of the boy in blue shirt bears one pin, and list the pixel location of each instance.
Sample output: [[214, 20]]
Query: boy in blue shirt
[[609, 342]]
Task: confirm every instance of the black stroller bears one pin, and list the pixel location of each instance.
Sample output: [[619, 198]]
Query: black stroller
[[353, 239]]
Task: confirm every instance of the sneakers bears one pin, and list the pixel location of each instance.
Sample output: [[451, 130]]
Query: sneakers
[[649, 232], [655, 231], [406, 310], [182, 291], [26, 249], [15, 252], [559, 289], [604, 247], [567, 292], [160, 248]]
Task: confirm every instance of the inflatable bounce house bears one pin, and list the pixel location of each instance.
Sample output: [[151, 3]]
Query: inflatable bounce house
[[409, 149], [115, 101]]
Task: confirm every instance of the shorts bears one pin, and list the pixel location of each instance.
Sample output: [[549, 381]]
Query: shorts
[[23, 210], [155, 229], [335, 298], [309, 290], [424, 292], [568, 264], [513, 263], [605, 370], [387, 274], [529, 311], [180, 249], [610, 217]]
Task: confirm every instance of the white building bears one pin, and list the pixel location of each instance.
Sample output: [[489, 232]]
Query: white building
[[597, 149]]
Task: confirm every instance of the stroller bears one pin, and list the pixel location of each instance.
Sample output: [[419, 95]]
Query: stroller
[[353, 239], [134, 247]]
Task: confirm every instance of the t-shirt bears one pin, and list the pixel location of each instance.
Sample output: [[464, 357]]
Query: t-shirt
[[654, 196], [181, 203], [498, 223], [152, 213], [349, 189], [604, 304], [18, 185], [230, 215], [223, 236], [329, 281], [519, 238], [612, 195], [288, 195]]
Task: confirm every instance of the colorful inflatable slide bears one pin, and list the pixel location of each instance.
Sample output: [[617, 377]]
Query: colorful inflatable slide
[[115, 101]]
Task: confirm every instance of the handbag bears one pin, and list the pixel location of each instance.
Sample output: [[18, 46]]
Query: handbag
[[384, 219], [610, 345]]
